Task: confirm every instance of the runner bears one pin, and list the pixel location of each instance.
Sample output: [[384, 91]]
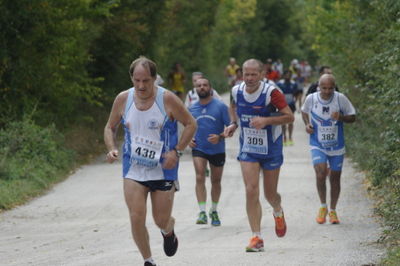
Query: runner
[[324, 113], [289, 88], [150, 153], [176, 79], [208, 146], [230, 71], [254, 102], [192, 97]]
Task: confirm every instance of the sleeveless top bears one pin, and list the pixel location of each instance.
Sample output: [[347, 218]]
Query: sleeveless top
[[148, 134], [260, 143]]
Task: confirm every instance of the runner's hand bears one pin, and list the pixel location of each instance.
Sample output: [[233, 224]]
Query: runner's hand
[[112, 156], [309, 129], [192, 143], [213, 138], [258, 122], [229, 130], [170, 159]]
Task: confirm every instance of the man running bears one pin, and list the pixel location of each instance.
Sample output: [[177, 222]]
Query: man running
[[208, 145], [324, 113], [151, 152], [254, 104], [289, 89], [192, 97]]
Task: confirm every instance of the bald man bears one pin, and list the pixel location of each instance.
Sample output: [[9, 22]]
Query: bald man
[[324, 113], [261, 109]]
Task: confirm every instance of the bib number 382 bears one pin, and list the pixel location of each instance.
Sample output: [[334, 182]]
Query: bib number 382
[[255, 141], [146, 152], [327, 136]]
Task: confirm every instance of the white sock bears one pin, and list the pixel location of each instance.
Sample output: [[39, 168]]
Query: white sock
[[202, 206], [164, 232], [279, 213], [324, 205], [333, 210], [257, 234], [150, 260], [214, 206]]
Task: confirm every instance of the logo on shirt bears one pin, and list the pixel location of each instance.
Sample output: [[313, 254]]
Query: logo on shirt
[[325, 109], [152, 124], [204, 111], [257, 107]]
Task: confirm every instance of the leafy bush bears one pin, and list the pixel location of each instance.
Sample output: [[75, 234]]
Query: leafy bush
[[32, 158]]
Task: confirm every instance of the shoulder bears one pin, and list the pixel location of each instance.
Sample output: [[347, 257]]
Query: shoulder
[[122, 97]]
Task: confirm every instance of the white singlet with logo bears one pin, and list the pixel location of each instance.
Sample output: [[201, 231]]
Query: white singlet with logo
[[146, 147]]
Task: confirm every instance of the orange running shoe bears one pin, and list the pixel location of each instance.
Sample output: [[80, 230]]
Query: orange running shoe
[[333, 217], [321, 217], [256, 245], [280, 225]]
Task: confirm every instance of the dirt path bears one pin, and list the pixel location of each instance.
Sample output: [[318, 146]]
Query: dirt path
[[84, 221]]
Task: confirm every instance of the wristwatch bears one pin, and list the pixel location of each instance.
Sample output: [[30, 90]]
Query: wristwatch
[[178, 153]]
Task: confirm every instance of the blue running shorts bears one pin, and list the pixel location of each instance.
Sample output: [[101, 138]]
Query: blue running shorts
[[269, 163], [335, 162]]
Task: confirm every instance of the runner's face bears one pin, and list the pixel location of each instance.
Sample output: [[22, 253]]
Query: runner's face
[[143, 82], [252, 76], [203, 88], [194, 79], [327, 88]]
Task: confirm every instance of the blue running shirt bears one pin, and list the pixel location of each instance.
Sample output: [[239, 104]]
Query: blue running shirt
[[211, 119]]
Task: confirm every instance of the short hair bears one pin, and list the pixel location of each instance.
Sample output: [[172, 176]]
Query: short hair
[[322, 69], [197, 73], [146, 63], [254, 61]]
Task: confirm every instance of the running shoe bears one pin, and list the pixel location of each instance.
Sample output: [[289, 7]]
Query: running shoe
[[147, 263], [202, 218], [214, 218], [290, 143], [321, 217], [333, 219], [280, 225], [170, 244], [256, 245]]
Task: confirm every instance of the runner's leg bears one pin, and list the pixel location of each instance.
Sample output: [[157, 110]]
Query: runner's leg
[[136, 198]]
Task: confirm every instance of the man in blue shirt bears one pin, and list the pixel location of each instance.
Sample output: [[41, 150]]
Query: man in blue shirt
[[208, 145], [289, 89]]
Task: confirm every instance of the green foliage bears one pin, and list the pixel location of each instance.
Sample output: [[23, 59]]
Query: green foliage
[[360, 40], [32, 158], [43, 59]]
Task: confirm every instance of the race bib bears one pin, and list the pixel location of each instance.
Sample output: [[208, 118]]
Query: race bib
[[327, 136], [146, 152], [255, 141]]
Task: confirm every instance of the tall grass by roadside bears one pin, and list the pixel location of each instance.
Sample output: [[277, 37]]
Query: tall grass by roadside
[[32, 158]]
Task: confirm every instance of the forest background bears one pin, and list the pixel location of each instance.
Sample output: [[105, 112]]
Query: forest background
[[63, 62]]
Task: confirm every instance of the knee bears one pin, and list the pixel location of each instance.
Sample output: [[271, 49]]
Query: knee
[[161, 222], [252, 192], [137, 216]]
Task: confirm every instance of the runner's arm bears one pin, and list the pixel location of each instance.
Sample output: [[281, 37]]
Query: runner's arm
[[176, 110], [111, 128]]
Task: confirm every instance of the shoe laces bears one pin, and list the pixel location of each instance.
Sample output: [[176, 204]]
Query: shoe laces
[[322, 212], [333, 215], [254, 241], [279, 221]]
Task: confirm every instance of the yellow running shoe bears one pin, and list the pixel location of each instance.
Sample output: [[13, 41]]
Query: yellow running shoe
[[321, 217], [333, 219], [256, 245]]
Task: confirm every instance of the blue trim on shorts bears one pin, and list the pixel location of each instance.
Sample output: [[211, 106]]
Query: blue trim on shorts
[[335, 162], [268, 163]]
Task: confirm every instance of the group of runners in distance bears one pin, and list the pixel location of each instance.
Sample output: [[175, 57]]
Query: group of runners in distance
[[261, 110]]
